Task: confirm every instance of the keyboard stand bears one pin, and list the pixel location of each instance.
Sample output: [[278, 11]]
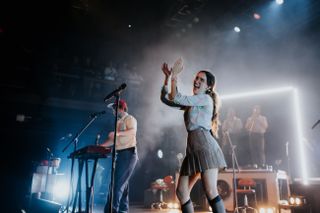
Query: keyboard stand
[[84, 161]]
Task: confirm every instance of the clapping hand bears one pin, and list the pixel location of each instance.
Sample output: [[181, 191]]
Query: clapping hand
[[165, 70], [177, 68]]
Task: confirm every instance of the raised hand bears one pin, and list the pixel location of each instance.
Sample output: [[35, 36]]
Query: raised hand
[[177, 67], [165, 70]]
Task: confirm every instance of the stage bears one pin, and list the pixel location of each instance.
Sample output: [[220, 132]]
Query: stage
[[142, 209]]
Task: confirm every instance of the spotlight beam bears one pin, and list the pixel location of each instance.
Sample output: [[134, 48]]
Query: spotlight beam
[[297, 114]]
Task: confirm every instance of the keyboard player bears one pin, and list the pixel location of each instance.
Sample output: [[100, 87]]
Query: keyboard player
[[126, 159]]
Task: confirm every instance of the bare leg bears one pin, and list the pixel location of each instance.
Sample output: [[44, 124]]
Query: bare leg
[[184, 187], [209, 182]]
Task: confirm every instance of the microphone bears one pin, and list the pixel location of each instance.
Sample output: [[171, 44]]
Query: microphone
[[122, 87], [95, 114], [49, 151], [314, 125], [97, 139]]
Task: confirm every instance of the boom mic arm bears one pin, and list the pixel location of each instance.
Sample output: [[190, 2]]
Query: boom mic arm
[[314, 125], [113, 93]]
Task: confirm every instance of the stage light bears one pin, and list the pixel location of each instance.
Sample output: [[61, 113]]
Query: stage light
[[176, 205], [60, 190], [297, 115], [256, 16], [267, 210], [297, 200], [257, 93], [279, 1], [174, 211], [236, 29], [160, 154], [291, 200], [300, 137], [173, 206]]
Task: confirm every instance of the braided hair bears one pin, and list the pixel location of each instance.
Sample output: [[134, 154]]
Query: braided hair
[[211, 82]]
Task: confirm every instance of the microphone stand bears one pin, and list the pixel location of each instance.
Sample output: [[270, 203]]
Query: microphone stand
[[74, 141], [117, 95], [234, 163], [49, 157]]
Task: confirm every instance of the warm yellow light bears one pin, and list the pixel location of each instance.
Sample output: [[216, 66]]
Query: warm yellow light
[[270, 210], [170, 205], [176, 205], [298, 201], [173, 211], [267, 210], [291, 200], [262, 210]]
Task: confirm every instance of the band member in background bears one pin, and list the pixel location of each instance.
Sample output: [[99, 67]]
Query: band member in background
[[203, 154], [126, 157], [231, 129], [257, 126]]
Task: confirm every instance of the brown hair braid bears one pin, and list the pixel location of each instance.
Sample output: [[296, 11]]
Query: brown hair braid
[[211, 82]]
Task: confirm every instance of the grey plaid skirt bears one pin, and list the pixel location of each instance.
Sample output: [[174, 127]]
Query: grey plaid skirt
[[203, 152]]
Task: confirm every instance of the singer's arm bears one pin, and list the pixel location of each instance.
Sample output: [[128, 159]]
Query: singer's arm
[[131, 128], [173, 91], [165, 100], [164, 91], [131, 124], [176, 69], [107, 143]]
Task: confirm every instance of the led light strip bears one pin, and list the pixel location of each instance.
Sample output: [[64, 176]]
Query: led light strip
[[297, 115]]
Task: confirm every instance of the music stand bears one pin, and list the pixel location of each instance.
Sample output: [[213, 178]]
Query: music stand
[[234, 164], [74, 141]]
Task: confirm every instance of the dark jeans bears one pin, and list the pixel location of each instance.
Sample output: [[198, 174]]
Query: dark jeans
[[257, 148], [126, 161]]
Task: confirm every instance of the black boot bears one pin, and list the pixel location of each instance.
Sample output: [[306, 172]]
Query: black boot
[[217, 205], [187, 207]]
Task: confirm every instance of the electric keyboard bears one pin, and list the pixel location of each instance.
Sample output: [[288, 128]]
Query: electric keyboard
[[91, 152]]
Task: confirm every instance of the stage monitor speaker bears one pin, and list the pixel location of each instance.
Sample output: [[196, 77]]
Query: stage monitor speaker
[[225, 190], [39, 205], [199, 197]]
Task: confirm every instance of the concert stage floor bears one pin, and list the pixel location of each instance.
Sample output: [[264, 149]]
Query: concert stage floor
[[141, 209]]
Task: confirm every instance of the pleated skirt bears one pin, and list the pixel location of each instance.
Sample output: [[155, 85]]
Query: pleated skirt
[[202, 153]]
